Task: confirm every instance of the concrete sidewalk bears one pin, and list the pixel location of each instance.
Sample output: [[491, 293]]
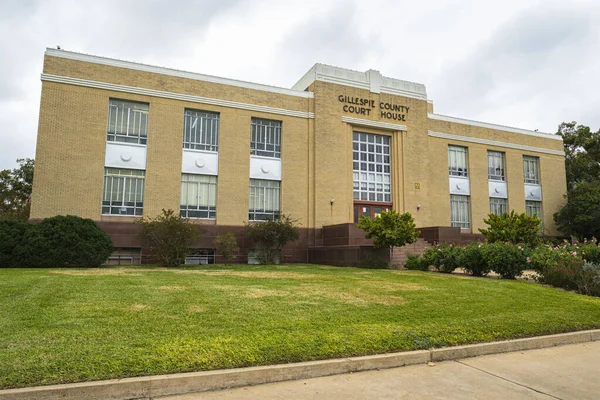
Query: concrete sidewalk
[[564, 372]]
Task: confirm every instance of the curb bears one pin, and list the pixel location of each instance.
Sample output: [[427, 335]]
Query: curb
[[164, 385]]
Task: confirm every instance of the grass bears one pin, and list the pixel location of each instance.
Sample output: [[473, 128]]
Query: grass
[[67, 325]]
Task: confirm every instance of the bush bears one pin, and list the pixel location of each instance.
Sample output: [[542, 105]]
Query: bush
[[64, 241], [269, 237], [389, 229], [12, 235], [416, 263], [506, 259], [472, 260], [590, 251], [444, 257], [588, 281], [513, 228], [227, 246], [372, 262], [170, 237]]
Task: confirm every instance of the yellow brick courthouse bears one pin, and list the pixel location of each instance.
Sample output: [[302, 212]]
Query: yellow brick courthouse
[[118, 140]]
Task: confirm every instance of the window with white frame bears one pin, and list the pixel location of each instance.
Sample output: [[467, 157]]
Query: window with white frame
[[201, 130], [533, 207], [198, 196], [496, 166], [497, 206], [458, 161], [460, 211], [531, 170], [265, 138], [201, 257], [264, 200], [127, 122], [371, 167], [123, 192]]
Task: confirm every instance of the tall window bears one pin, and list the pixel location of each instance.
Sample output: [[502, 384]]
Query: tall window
[[531, 170], [198, 196], [371, 167], [265, 138], [497, 205], [533, 207], [496, 166], [264, 200], [460, 211], [458, 161], [123, 192], [127, 122], [201, 130]]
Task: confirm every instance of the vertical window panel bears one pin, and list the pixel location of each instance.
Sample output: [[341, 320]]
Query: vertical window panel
[[201, 130], [127, 122], [376, 159], [531, 170], [265, 138], [460, 211], [198, 196], [497, 206], [496, 166], [264, 200], [123, 192], [458, 161]]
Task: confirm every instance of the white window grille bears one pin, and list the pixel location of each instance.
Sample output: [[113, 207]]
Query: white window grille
[[264, 200], [496, 166], [533, 207], [371, 167], [497, 206], [123, 192], [265, 138], [460, 211], [201, 130], [198, 196], [458, 161], [127, 122], [531, 170]]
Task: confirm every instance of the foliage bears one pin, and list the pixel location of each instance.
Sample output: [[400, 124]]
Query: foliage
[[372, 262], [506, 259], [390, 229], [472, 260], [582, 152], [170, 237], [512, 227], [444, 257], [415, 262], [590, 251], [15, 190], [269, 237], [12, 234], [64, 241], [580, 216], [227, 246]]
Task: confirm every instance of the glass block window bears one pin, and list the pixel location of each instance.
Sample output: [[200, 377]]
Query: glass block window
[[198, 196], [123, 192], [201, 130], [127, 122], [496, 166], [531, 170], [460, 211], [265, 138], [371, 167], [457, 161], [201, 257], [497, 206], [533, 207], [264, 200]]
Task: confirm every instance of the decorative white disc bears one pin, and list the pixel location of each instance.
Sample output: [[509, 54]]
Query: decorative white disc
[[200, 163], [496, 190], [126, 157], [264, 169], [458, 187]]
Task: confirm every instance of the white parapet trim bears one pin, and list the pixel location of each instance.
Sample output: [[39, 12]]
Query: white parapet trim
[[373, 124]]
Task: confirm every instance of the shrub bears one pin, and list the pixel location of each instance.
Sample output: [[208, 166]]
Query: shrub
[[416, 263], [64, 241], [590, 251], [372, 262], [12, 235], [544, 256], [169, 236], [227, 246], [513, 228], [588, 281], [444, 257], [390, 229], [472, 260], [269, 237], [506, 259]]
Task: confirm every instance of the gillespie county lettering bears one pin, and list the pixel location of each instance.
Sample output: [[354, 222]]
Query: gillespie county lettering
[[362, 106]]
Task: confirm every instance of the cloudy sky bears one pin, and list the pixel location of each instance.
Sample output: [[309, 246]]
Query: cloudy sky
[[525, 63]]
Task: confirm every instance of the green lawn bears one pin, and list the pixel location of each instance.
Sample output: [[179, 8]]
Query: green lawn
[[69, 325]]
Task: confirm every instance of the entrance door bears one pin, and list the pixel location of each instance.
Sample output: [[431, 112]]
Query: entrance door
[[369, 209]]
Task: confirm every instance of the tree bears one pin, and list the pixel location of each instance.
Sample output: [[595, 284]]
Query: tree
[[582, 153], [390, 229], [169, 236], [15, 190], [512, 227], [227, 246], [580, 217], [269, 237]]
